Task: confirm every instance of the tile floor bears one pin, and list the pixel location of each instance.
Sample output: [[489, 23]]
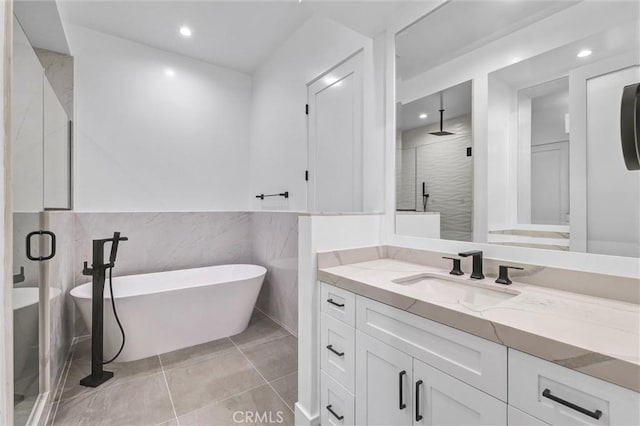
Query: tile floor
[[250, 378]]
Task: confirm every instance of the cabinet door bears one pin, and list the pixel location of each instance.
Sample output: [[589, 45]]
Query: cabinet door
[[440, 399], [383, 383]]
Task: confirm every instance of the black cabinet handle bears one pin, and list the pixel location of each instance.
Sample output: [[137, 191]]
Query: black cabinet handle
[[53, 245], [334, 413], [330, 347], [418, 415], [402, 405], [339, 305], [593, 414]]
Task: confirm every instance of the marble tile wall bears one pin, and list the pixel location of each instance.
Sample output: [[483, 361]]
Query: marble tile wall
[[170, 241], [163, 242], [275, 246], [58, 68]]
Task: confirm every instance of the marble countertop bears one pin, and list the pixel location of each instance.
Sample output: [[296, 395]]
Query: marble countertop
[[595, 336]]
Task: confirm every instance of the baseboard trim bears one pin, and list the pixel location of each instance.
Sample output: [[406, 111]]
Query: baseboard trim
[[303, 418]]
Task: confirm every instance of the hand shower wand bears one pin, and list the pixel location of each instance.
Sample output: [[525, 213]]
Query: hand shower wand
[[98, 272]]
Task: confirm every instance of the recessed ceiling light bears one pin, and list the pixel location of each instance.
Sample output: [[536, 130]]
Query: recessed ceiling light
[[584, 53], [423, 116], [169, 72], [185, 31]]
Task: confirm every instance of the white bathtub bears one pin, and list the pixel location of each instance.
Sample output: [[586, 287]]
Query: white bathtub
[[165, 311], [25, 334]]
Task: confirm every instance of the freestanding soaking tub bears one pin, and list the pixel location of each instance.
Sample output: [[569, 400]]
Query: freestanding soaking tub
[[165, 311]]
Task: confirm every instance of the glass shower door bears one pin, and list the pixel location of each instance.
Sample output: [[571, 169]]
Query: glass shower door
[[27, 205]]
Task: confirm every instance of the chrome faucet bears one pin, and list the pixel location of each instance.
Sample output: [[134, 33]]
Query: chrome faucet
[[477, 263]]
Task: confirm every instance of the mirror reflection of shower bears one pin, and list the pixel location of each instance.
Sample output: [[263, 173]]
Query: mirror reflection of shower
[[434, 166]]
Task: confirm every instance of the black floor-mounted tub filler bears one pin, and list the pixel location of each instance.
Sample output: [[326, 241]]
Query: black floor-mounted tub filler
[[98, 272]]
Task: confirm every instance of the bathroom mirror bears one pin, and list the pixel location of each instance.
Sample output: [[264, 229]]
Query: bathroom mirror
[[545, 79], [543, 153], [434, 165], [556, 119]]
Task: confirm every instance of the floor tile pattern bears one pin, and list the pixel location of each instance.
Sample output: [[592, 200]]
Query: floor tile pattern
[[250, 378]]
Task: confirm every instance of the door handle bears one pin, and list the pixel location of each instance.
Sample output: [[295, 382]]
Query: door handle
[[53, 245], [401, 375], [418, 415], [19, 277]]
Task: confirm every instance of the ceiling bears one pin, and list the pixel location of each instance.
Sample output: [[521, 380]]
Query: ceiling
[[456, 102], [41, 22], [459, 27], [235, 34], [623, 38]]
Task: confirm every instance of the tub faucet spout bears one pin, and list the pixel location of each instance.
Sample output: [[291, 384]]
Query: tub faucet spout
[[99, 264]]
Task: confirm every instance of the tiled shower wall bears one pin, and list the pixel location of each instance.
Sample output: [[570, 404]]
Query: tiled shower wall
[[169, 241], [443, 164]]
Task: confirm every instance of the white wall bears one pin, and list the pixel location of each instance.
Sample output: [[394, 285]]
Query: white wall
[[146, 141], [501, 157], [279, 125], [548, 118]]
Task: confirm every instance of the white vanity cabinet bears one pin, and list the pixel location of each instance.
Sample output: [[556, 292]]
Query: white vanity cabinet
[[384, 366]]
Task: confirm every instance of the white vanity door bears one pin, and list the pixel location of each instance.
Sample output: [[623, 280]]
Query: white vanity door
[[443, 400], [383, 383]]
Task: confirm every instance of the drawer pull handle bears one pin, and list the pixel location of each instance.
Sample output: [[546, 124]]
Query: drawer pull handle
[[593, 414], [339, 305], [402, 405], [334, 413], [418, 415], [330, 347]]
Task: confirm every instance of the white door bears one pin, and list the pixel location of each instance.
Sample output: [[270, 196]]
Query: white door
[[440, 399], [335, 139], [383, 383], [550, 183]]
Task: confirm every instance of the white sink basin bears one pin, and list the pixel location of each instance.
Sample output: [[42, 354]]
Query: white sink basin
[[457, 290]]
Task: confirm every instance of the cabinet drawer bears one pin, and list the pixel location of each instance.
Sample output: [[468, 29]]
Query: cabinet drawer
[[338, 303], [476, 361], [337, 404], [520, 418], [337, 350], [561, 396]]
